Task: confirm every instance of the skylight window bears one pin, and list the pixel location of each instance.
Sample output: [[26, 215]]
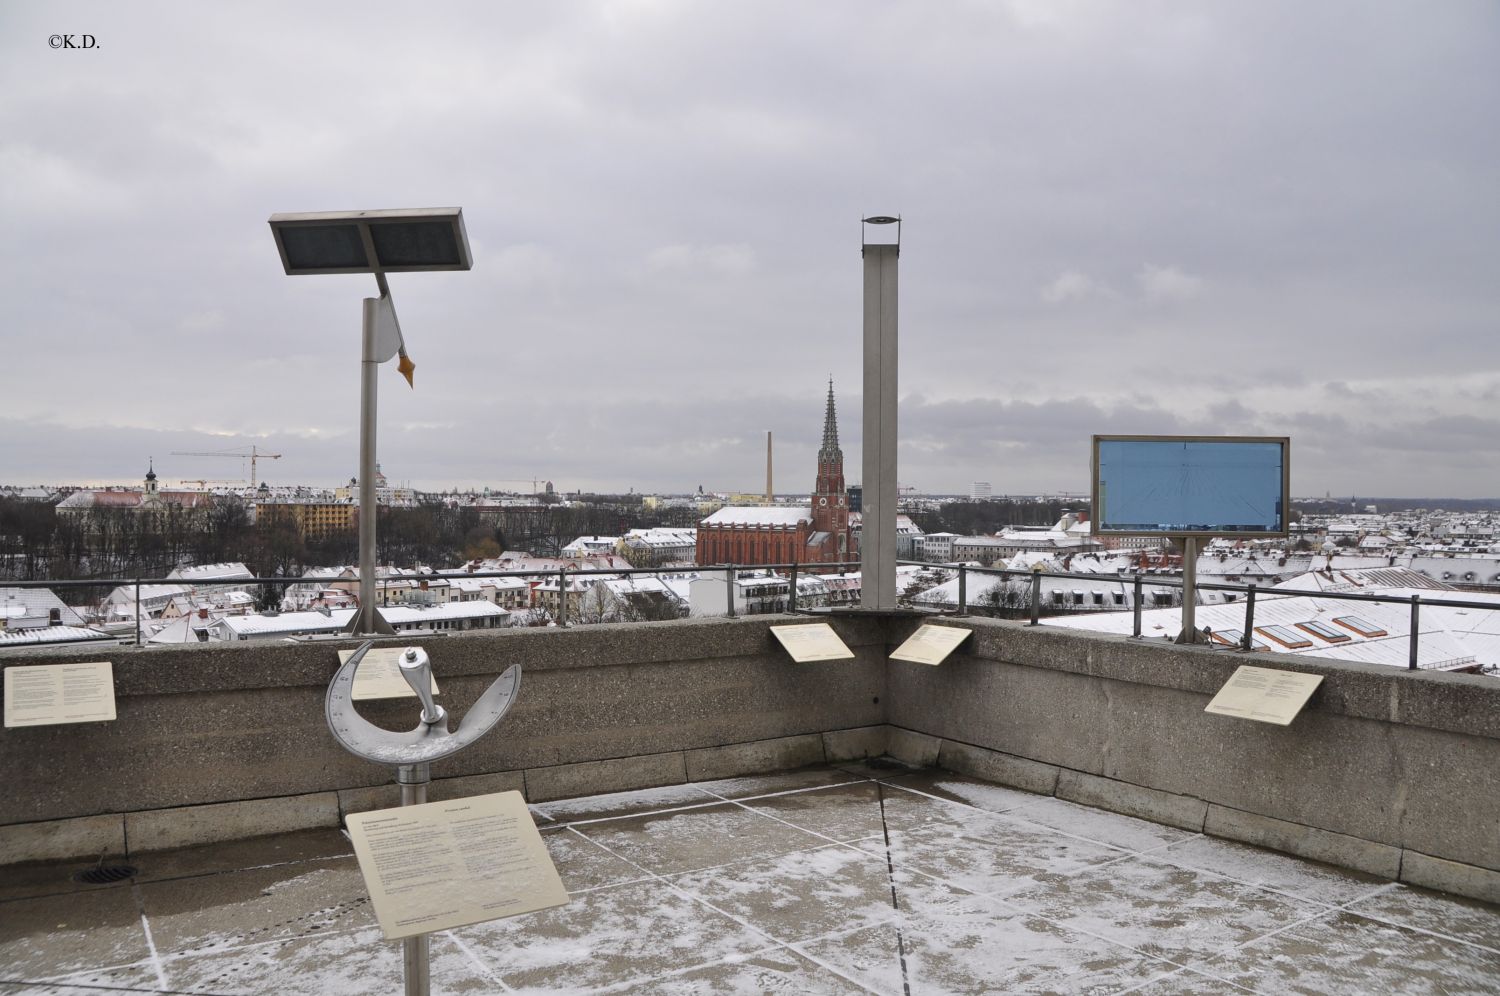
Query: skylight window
[[1361, 626], [1286, 637], [1325, 631]]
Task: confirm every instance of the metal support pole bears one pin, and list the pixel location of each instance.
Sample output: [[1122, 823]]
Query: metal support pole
[[729, 579], [1246, 643], [137, 612], [416, 966], [562, 597], [368, 368], [1189, 632], [963, 591], [1416, 614], [1036, 597], [878, 537], [1137, 608], [791, 592]]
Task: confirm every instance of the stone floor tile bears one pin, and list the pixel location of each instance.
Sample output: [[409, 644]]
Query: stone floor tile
[[1318, 883], [1187, 982], [778, 781], [252, 852], [985, 952], [619, 804], [884, 768], [992, 856], [56, 935], [776, 971], [139, 977], [1345, 953], [844, 812], [799, 895], [680, 841], [583, 864], [359, 961], [1438, 912], [1163, 910], [963, 789], [212, 912], [1114, 829], [615, 936]]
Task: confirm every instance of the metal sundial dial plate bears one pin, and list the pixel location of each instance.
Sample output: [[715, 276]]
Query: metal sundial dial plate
[[425, 743]]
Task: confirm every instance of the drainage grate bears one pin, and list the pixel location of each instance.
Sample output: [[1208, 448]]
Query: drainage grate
[[104, 874]]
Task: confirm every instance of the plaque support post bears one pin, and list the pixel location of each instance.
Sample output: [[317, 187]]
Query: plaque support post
[[1189, 632], [412, 753], [415, 962]]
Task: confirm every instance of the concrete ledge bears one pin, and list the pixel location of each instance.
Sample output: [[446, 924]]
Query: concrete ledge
[[856, 744], [565, 781], [1304, 841], [59, 840], [388, 796], [754, 757], [1155, 805], [161, 829], [1450, 876], [1003, 769], [913, 748]]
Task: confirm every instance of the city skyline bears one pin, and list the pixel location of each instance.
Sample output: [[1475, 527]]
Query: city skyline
[[1256, 219]]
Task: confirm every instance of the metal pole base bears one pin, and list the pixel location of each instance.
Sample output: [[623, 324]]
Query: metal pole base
[[416, 967]]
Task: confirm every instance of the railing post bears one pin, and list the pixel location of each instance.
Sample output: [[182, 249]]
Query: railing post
[[1246, 643], [1136, 608], [1036, 597], [729, 579], [963, 591], [137, 612], [1416, 614], [562, 596], [791, 592]]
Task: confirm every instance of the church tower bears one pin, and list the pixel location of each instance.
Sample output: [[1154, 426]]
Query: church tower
[[830, 503], [152, 496]]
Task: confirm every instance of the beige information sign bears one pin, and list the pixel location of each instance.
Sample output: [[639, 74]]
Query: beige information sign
[[931, 644], [49, 694], [379, 675], [448, 864], [812, 642], [1265, 695]]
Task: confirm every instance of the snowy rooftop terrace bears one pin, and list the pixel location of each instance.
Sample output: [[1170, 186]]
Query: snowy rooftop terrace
[[857, 878], [1073, 820]]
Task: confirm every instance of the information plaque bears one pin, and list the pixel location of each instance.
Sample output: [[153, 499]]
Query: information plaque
[[447, 864], [812, 642], [379, 675], [49, 694], [931, 644], [1264, 695]]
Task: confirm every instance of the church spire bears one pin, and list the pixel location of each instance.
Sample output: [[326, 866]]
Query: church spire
[[830, 430]]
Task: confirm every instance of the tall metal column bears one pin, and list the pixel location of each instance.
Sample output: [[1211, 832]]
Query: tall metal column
[[878, 534], [369, 367]]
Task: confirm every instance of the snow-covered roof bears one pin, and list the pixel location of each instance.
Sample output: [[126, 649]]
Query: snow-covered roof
[[759, 515], [50, 634]]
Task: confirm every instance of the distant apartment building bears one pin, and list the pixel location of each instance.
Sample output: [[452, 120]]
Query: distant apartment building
[[981, 491], [312, 520]]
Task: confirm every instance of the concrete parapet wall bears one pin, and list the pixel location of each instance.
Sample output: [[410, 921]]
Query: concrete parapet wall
[[1392, 772], [224, 722], [1387, 760]]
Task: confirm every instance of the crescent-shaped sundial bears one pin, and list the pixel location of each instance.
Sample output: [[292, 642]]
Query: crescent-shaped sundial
[[431, 739]]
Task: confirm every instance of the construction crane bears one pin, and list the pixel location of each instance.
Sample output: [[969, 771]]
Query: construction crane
[[203, 482], [238, 453]]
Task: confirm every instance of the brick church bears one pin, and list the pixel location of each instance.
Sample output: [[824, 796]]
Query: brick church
[[787, 534]]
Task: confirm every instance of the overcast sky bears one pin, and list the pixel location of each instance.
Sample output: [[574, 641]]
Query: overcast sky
[[1238, 218]]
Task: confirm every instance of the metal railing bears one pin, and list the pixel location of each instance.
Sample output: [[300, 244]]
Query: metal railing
[[1249, 590], [792, 573]]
